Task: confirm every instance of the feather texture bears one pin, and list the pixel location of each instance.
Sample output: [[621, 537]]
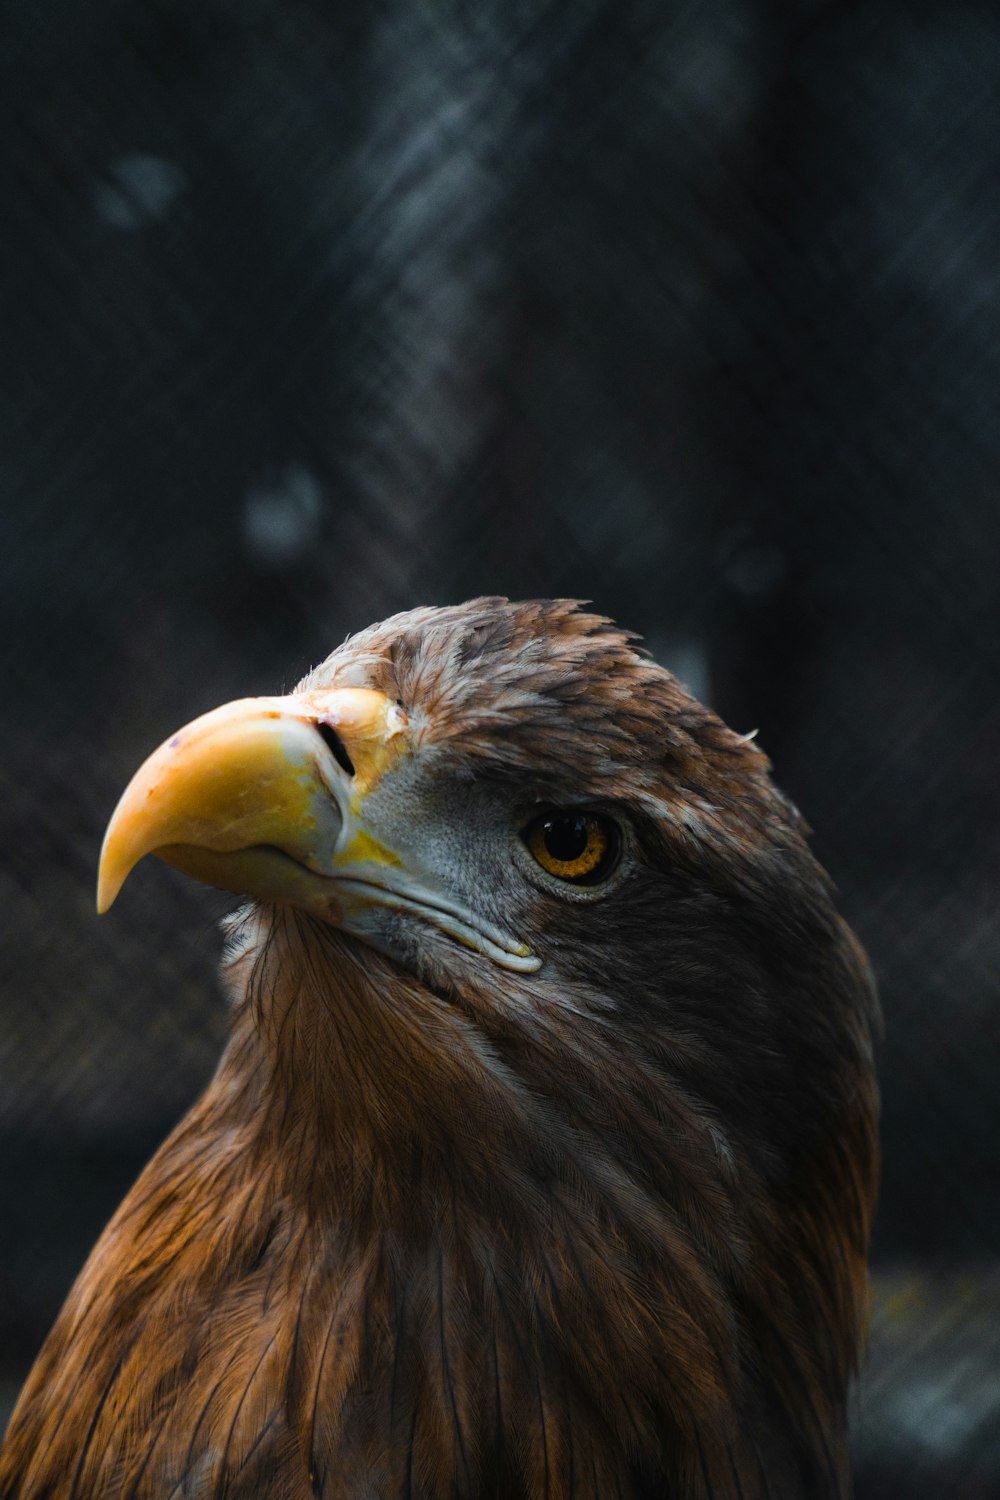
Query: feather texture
[[438, 1230]]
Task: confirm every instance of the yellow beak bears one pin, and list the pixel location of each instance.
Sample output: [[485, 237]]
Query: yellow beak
[[257, 796], [265, 796]]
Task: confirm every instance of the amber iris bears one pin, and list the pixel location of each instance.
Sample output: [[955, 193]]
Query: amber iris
[[578, 846]]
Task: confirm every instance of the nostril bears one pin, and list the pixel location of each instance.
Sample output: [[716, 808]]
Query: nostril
[[336, 747]]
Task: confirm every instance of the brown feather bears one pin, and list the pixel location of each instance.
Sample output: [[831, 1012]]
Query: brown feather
[[439, 1232]]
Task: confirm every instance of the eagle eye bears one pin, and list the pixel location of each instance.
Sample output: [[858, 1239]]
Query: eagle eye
[[581, 847]]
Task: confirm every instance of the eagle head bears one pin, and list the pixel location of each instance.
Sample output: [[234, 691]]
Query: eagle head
[[542, 1156]]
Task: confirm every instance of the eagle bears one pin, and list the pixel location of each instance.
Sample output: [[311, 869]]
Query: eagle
[[540, 1162]]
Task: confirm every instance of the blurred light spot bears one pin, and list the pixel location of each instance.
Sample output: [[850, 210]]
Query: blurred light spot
[[628, 533], [755, 571], [141, 191], [687, 660], [703, 67], [936, 1415], [281, 523]]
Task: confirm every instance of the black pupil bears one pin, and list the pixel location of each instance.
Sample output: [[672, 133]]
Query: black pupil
[[566, 838]]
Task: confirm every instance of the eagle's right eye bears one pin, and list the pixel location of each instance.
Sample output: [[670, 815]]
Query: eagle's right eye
[[581, 847]]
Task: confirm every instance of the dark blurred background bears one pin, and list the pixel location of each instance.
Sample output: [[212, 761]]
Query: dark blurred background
[[310, 313]]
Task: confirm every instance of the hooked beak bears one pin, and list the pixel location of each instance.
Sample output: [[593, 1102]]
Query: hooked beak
[[265, 797]]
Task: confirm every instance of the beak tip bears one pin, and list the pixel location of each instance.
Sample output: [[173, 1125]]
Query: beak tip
[[109, 884]]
